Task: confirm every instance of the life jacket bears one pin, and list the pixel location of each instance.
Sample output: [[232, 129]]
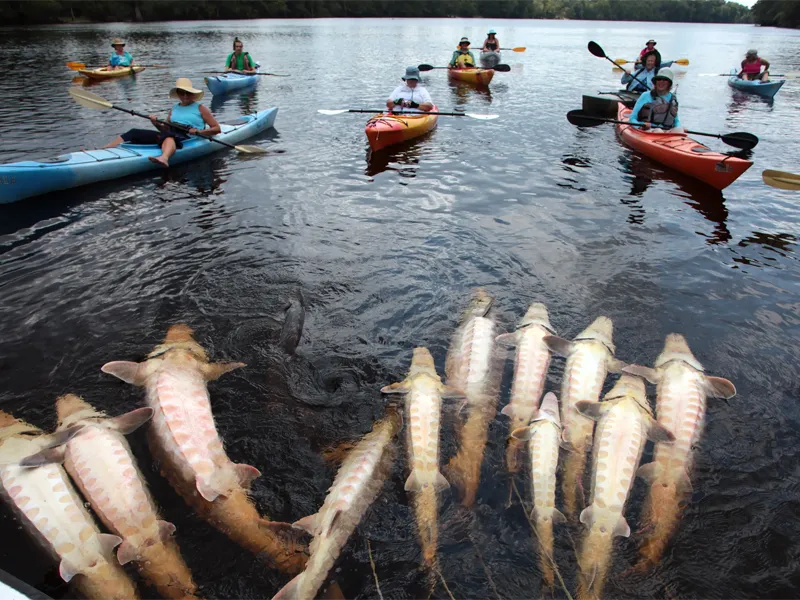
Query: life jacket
[[752, 68], [659, 112], [240, 66], [464, 60]]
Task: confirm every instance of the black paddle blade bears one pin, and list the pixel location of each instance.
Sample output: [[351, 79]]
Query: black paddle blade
[[425, 67], [502, 68], [581, 119], [595, 49], [740, 139]]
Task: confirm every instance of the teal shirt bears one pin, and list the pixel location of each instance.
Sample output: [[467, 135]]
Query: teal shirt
[[644, 99], [120, 60], [188, 115]]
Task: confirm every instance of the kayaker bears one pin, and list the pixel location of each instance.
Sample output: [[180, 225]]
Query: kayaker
[[751, 67], [463, 57], [491, 44], [650, 46], [658, 108], [187, 111], [410, 96], [642, 79], [120, 59], [239, 60]]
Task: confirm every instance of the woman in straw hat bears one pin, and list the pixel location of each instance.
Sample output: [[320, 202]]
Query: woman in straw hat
[[188, 112], [120, 59]]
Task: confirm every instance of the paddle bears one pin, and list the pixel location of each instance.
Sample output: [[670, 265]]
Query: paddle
[[243, 73], [781, 179], [595, 49], [501, 67], [740, 139], [327, 111], [680, 61], [79, 66], [791, 75], [90, 100], [517, 49]]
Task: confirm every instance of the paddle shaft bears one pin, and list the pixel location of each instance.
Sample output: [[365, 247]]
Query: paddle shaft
[[379, 112], [616, 121], [598, 51], [242, 73]]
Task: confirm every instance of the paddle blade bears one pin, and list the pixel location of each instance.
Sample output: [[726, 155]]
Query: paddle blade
[[481, 117], [519, 49], [76, 66], [581, 119], [740, 139], [328, 111], [502, 68], [595, 49], [89, 100], [682, 61], [781, 179], [251, 150], [621, 61], [424, 67]]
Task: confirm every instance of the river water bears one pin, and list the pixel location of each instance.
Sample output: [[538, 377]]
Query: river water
[[385, 250]]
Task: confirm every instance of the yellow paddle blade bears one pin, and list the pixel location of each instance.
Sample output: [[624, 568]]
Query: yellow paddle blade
[[781, 179], [519, 49], [682, 61], [89, 100], [622, 61], [76, 66]]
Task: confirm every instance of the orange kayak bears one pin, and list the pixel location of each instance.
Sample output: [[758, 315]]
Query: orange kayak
[[682, 153], [472, 75], [106, 73], [387, 129]]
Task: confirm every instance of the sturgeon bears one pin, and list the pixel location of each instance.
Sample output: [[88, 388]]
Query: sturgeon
[[530, 370], [52, 512], [424, 390], [355, 487], [185, 441], [101, 464], [474, 366], [590, 356], [544, 435], [625, 422], [680, 407]]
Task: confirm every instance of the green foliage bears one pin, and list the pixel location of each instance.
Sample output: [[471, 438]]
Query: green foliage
[[699, 11], [777, 13]]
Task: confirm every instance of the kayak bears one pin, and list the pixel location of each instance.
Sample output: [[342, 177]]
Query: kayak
[[767, 90], [222, 84], [106, 73], [472, 75], [682, 153], [490, 59], [31, 178], [387, 129]]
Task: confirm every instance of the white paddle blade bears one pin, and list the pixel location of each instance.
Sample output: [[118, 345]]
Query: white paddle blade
[[327, 111], [251, 150], [89, 100], [481, 117]]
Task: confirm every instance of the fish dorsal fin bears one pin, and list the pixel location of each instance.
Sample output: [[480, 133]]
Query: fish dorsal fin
[[131, 421]]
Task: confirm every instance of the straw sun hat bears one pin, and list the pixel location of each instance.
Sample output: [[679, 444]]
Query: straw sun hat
[[117, 42], [185, 84]]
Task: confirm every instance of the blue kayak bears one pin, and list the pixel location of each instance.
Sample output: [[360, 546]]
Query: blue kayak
[[31, 178], [222, 84], [767, 90]]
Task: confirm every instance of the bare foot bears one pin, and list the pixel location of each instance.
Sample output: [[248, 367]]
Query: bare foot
[[159, 161]]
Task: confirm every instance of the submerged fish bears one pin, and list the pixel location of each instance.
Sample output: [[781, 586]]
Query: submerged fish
[[625, 422], [680, 407], [424, 391], [530, 370], [356, 485], [292, 329], [52, 512], [544, 435], [184, 439], [590, 356], [101, 464], [474, 366]]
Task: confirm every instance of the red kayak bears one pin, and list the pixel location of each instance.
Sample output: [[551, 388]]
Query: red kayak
[[388, 129]]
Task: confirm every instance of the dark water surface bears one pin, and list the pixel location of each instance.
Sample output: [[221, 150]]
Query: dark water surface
[[386, 252]]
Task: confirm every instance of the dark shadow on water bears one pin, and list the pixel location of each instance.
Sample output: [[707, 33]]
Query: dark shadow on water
[[742, 100], [248, 100], [403, 158], [461, 92]]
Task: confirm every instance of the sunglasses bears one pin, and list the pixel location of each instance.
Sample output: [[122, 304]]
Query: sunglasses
[[183, 93]]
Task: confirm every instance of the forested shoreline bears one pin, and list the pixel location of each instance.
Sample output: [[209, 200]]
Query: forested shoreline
[[31, 12], [777, 13]]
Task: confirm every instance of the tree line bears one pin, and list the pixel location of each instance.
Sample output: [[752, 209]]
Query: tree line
[[28, 12], [777, 13]]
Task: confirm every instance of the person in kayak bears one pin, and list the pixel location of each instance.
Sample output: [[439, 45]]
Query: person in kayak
[[411, 96], [642, 79], [120, 59], [491, 43], [649, 47], [751, 67], [239, 60], [658, 108], [187, 112], [463, 57]]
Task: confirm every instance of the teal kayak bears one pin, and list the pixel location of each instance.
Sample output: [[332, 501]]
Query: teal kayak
[[222, 84], [767, 90], [31, 178]]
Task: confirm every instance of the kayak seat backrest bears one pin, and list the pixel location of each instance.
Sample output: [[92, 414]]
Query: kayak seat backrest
[[701, 149], [54, 160], [236, 121]]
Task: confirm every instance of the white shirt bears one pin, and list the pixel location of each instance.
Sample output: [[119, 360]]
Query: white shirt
[[418, 94]]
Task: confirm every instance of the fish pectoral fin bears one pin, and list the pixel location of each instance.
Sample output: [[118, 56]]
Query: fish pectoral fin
[[659, 433], [558, 517], [165, 530], [130, 422], [622, 529], [587, 516], [614, 365], [451, 393], [205, 490], [108, 542], [126, 553], [592, 410], [129, 372], [290, 590], [647, 373], [508, 410], [45, 457], [522, 433], [413, 483], [558, 345], [62, 437], [508, 340], [213, 371], [719, 387], [246, 474], [67, 570], [401, 387], [649, 472], [441, 482], [309, 524]]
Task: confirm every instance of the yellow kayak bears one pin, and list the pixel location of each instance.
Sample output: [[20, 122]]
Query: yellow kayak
[[472, 75], [106, 73]]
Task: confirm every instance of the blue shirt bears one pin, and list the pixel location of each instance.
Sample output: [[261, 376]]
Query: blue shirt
[[120, 60], [635, 83], [644, 99], [188, 115]]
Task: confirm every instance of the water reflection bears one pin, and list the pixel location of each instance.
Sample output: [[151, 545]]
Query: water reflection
[[404, 158], [776, 245], [248, 101], [742, 100], [461, 92]]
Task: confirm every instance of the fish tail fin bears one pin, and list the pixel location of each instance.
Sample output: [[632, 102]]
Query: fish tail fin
[[661, 517], [106, 580], [164, 568], [594, 561], [290, 590], [514, 455], [572, 483], [426, 509], [544, 533]]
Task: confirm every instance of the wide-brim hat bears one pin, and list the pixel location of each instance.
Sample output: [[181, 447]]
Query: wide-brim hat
[[665, 74], [651, 42], [752, 52], [411, 73], [492, 32], [463, 40], [117, 42], [185, 84]]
